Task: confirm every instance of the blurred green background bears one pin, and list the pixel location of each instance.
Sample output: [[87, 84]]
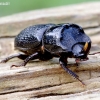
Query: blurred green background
[[8, 7]]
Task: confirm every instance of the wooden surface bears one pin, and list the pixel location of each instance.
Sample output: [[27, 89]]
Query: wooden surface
[[41, 80]]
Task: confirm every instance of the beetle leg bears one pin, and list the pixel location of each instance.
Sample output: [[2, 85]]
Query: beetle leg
[[64, 64], [77, 62], [21, 56], [31, 57]]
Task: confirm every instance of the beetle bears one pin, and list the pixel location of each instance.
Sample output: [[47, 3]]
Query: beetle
[[45, 41]]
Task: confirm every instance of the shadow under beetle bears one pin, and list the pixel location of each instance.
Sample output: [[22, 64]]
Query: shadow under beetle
[[46, 41]]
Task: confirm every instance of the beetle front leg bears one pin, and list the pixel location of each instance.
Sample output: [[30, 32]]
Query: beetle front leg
[[77, 62], [63, 64], [31, 57]]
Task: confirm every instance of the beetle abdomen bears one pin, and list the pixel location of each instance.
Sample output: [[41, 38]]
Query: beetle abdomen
[[30, 38]]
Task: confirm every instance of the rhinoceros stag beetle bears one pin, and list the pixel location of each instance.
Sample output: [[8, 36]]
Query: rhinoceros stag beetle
[[46, 41]]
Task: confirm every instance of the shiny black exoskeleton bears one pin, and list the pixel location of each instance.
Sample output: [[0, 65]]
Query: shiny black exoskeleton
[[46, 41]]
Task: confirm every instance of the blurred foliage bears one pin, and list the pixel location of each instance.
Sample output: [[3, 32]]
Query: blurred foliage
[[26, 5]]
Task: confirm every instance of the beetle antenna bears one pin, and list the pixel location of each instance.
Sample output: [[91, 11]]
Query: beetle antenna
[[94, 53]]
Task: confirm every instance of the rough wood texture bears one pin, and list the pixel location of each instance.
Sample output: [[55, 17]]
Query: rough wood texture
[[47, 80]]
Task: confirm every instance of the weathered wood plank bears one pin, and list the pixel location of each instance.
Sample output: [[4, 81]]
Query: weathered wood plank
[[49, 78]]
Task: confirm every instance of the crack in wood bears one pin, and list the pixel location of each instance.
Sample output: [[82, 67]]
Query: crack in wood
[[6, 37], [51, 94], [32, 89], [92, 27]]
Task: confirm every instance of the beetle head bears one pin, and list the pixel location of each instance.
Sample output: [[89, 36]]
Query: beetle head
[[81, 50]]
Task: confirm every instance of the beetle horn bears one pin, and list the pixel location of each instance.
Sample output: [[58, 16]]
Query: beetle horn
[[85, 46]]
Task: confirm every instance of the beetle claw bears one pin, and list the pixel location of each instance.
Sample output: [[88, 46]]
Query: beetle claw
[[80, 81], [14, 66], [23, 64]]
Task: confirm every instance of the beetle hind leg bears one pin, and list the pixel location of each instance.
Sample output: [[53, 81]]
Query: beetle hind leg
[[63, 65], [21, 56], [28, 58]]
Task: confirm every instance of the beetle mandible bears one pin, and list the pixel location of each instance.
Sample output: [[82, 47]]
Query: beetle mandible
[[46, 41]]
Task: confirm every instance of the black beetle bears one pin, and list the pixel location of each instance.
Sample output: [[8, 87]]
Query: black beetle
[[46, 41]]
